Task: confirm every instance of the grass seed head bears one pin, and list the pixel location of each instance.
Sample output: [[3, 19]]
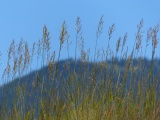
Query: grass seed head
[[64, 33], [111, 30], [100, 27], [139, 35], [118, 45]]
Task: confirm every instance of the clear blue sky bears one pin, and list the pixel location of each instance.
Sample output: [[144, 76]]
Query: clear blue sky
[[25, 19]]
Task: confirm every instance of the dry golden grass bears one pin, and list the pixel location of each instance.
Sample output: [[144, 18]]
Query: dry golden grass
[[88, 98]]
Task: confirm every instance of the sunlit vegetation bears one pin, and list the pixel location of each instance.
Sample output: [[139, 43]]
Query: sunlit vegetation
[[122, 86]]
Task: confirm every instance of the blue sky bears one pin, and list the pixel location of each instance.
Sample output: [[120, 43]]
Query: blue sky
[[25, 19]]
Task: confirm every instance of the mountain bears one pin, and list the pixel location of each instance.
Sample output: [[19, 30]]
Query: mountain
[[65, 76]]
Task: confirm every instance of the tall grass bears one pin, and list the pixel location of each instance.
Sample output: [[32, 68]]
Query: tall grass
[[83, 90]]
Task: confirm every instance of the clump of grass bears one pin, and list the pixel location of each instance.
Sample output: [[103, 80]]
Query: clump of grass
[[80, 89]]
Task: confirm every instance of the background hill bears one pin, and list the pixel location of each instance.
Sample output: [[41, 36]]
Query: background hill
[[28, 91]]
